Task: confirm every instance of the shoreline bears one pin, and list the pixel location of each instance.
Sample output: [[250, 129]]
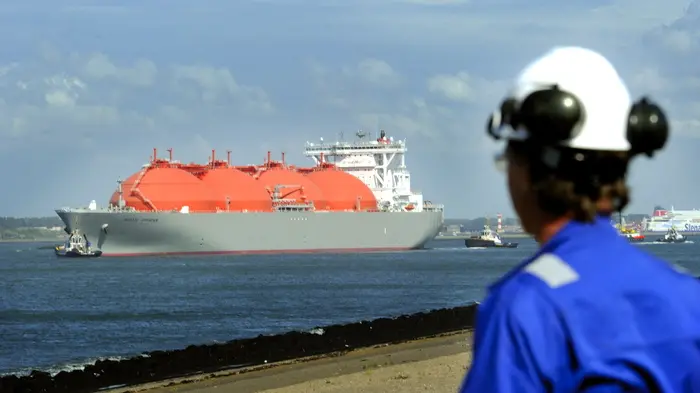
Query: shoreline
[[524, 235], [377, 368], [57, 240], [246, 353]]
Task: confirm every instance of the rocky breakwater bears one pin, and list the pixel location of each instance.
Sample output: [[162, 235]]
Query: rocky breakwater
[[160, 365]]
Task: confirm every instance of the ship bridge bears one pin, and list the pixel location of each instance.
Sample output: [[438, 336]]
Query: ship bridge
[[379, 163]]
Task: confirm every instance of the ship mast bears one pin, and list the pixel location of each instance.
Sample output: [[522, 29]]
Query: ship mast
[[121, 193]]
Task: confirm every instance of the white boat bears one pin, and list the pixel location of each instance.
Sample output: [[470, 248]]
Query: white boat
[[488, 238], [663, 220], [77, 246], [673, 236]]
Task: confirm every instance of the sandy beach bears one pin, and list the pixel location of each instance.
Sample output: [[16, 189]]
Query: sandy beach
[[429, 365]]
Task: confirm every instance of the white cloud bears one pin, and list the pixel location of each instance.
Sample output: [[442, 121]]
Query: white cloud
[[453, 87], [374, 71], [238, 75], [681, 41], [218, 84], [91, 93], [690, 128], [405, 112], [142, 73], [433, 2], [60, 98], [681, 33], [451, 105]]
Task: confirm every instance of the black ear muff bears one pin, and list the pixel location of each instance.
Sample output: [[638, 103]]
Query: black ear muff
[[493, 123], [502, 117], [551, 115], [647, 127]]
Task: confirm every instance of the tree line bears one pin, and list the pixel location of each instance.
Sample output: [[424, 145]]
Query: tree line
[[29, 222], [479, 222]]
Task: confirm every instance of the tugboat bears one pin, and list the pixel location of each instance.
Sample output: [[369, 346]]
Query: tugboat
[[77, 246], [672, 236], [488, 238]]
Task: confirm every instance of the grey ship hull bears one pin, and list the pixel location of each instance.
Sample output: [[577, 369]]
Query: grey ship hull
[[157, 233]]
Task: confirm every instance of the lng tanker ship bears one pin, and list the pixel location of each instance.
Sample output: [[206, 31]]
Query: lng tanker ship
[[356, 198]]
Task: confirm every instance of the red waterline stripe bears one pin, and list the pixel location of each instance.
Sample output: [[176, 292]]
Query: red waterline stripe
[[261, 252]]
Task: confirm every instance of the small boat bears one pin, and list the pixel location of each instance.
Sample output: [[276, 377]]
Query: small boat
[[488, 238], [77, 246], [632, 235], [672, 236]]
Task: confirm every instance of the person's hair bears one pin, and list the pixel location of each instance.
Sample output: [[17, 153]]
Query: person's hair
[[575, 188]]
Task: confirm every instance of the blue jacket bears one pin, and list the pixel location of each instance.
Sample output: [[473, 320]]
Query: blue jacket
[[589, 312]]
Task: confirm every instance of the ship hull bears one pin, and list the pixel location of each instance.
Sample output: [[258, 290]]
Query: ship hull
[[74, 254], [681, 225], [164, 233]]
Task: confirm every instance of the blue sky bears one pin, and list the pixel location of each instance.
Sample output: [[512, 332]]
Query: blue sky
[[89, 88]]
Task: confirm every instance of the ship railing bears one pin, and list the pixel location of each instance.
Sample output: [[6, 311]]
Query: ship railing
[[435, 208], [99, 209], [292, 208], [224, 210], [287, 202], [172, 211], [331, 150], [284, 205], [218, 210], [354, 145], [112, 208]]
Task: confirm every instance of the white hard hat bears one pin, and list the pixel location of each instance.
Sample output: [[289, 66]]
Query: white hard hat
[[573, 97]]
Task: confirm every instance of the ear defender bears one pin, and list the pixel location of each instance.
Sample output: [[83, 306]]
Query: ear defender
[[502, 117], [551, 116], [647, 128]]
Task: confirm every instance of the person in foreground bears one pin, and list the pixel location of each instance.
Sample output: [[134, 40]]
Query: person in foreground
[[589, 312]]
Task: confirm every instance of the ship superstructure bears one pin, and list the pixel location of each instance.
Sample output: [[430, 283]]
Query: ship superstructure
[[357, 197], [380, 164]]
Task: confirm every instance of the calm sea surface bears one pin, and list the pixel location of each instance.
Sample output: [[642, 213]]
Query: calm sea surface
[[55, 314]]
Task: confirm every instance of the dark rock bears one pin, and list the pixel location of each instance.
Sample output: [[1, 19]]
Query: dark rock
[[159, 365]]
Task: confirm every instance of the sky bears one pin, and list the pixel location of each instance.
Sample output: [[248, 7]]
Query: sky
[[89, 88]]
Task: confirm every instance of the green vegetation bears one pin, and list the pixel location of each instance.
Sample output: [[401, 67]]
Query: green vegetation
[[31, 229], [477, 223], [471, 225]]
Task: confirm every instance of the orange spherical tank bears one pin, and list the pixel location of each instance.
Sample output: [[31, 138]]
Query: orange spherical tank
[[244, 193], [167, 189], [342, 190], [301, 186]]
